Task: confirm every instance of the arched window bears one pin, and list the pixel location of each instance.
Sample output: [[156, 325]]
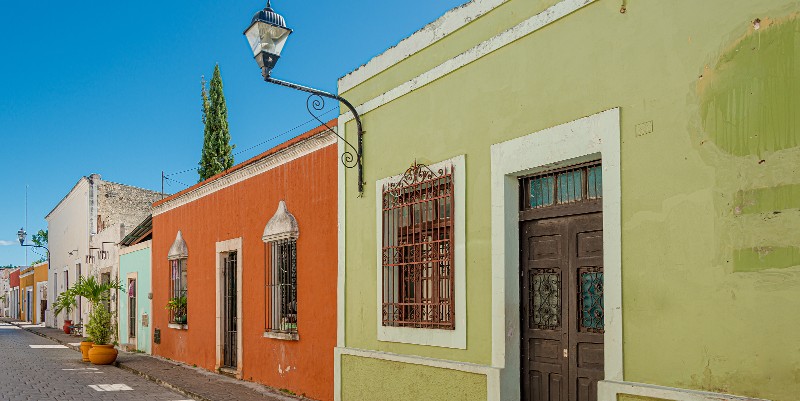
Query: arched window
[[280, 237], [177, 305]]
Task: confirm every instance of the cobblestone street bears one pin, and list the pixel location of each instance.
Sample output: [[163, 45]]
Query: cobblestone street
[[37, 369]]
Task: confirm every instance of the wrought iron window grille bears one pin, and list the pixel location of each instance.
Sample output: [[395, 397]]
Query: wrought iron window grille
[[417, 252], [178, 303], [280, 242]]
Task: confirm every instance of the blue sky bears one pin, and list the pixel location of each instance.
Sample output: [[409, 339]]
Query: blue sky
[[114, 87]]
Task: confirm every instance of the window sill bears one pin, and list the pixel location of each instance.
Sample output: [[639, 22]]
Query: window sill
[[178, 326], [282, 336]]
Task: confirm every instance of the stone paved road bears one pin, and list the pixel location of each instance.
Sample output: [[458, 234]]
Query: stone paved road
[[44, 374]]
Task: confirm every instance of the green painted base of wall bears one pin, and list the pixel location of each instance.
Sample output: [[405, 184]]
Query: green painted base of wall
[[375, 379]]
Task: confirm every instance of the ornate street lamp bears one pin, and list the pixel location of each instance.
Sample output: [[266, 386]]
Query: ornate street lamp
[[267, 35]]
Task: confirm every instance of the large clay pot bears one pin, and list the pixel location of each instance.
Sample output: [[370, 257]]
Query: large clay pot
[[85, 347], [102, 354], [67, 323]]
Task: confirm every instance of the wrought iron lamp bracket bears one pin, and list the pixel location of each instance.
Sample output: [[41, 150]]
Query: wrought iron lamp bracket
[[316, 103]]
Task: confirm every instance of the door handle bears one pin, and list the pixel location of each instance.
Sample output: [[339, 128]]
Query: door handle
[[566, 353]]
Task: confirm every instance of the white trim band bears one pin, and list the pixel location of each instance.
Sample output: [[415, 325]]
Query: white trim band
[[296, 151]]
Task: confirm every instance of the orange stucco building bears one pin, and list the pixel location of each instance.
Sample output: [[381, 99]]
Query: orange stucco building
[[247, 260]]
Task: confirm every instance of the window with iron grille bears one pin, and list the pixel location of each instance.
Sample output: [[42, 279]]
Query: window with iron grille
[[580, 183], [282, 286], [417, 250], [178, 311]]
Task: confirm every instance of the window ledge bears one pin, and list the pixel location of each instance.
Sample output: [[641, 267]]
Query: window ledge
[[282, 336], [178, 326]]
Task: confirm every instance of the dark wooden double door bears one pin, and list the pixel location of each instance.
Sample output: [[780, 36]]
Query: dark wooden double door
[[561, 301]]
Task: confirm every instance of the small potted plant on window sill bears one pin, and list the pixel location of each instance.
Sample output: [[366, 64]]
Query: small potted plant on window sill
[[178, 308]]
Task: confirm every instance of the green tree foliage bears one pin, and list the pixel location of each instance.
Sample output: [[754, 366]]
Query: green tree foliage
[[40, 239], [217, 155]]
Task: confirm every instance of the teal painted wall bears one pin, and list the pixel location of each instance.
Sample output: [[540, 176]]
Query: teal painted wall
[[136, 262]]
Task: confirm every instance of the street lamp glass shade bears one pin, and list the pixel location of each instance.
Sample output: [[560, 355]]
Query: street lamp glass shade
[[21, 235], [267, 35]]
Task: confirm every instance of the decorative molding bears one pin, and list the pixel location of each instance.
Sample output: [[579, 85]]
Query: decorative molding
[[519, 31], [178, 250], [281, 226], [136, 248], [282, 336], [296, 151], [443, 26], [609, 390], [418, 360]]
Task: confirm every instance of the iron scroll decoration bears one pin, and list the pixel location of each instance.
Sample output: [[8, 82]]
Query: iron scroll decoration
[[415, 174], [316, 103]]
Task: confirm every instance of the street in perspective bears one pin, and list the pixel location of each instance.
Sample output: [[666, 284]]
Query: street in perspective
[[451, 200]]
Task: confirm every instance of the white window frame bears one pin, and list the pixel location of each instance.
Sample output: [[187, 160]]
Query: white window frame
[[456, 338]]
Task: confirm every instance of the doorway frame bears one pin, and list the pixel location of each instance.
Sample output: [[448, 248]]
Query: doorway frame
[[223, 248], [589, 138]]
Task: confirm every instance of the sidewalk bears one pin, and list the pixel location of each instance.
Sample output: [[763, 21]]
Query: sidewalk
[[193, 382]]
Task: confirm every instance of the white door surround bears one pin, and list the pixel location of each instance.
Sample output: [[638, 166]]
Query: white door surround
[[222, 248]]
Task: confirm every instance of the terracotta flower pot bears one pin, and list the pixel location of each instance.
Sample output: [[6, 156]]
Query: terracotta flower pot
[[102, 354], [85, 347], [67, 323]]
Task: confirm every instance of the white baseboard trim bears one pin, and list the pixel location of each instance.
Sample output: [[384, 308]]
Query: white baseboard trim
[[608, 391]]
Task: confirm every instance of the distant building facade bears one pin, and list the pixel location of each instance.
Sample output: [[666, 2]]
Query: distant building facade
[[92, 207]]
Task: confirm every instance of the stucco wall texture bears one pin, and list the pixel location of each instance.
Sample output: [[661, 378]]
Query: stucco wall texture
[[710, 263], [308, 186], [395, 381], [139, 262]]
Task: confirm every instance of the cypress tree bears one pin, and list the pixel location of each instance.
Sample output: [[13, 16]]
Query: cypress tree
[[217, 153]]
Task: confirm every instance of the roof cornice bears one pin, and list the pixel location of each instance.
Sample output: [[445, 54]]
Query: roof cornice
[[251, 169]]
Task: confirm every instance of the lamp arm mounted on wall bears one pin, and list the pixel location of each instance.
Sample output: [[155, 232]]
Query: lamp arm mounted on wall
[[316, 102]]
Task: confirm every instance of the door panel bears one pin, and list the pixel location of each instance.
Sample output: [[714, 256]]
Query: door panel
[[561, 307]]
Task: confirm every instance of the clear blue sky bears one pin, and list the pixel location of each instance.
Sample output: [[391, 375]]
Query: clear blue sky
[[113, 87]]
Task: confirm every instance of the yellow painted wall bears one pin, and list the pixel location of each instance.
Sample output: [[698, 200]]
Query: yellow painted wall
[[711, 269], [374, 379]]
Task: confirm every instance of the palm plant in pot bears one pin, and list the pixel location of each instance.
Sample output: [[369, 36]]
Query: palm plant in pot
[[65, 302], [101, 327]]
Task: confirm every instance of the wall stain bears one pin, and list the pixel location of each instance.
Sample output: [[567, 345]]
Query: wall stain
[[766, 257], [749, 98], [764, 200]]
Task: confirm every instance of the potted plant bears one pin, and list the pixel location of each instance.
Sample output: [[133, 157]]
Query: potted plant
[[100, 329], [101, 333], [178, 308], [65, 302]]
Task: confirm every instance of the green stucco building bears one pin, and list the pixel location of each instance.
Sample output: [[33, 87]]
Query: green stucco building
[[135, 305], [576, 200]]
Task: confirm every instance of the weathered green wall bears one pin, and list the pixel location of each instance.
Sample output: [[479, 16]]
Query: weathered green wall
[[373, 379], [710, 213]]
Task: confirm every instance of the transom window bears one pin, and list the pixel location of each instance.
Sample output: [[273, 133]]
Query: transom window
[[417, 254], [583, 182]]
